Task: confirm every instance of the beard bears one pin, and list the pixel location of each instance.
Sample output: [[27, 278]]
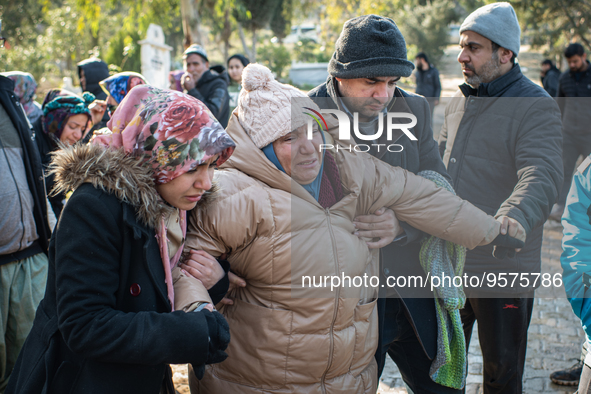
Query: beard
[[362, 105], [581, 68], [489, 71]]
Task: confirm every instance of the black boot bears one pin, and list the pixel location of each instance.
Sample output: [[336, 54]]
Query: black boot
[[569, 376]]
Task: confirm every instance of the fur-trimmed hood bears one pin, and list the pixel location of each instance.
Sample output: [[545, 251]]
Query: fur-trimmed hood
[[115, 172]]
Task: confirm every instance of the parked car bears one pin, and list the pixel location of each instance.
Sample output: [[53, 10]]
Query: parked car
[[453, 34], [303, 32]]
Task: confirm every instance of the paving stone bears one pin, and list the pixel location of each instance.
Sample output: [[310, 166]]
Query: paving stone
[[474, 389]]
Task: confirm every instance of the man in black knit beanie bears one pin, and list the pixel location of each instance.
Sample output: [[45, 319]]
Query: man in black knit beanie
[[369, 59]]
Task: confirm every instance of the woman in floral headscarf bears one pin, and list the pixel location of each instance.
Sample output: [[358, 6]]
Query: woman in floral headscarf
[[25, 88], [105, 324]]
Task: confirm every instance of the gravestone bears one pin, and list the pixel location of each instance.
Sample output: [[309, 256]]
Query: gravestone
[[155, 56]]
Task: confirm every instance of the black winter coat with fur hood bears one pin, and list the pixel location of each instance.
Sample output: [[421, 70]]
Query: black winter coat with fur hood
[[105, 324]]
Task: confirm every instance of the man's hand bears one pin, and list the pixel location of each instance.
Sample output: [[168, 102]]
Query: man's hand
[[383, 225], [203, 266], [436, 102], [513, 228], [235, 282], [188, 81], [97, 110]]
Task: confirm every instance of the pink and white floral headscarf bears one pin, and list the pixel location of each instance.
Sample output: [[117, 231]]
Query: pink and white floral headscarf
[[174, 132]]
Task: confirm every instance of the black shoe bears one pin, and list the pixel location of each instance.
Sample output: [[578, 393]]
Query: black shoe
[[569, 376]]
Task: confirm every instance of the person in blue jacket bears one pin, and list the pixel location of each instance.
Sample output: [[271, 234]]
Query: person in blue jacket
[[576, 256]]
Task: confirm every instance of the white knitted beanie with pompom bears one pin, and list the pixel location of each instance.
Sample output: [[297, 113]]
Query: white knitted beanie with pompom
[[265, 106]]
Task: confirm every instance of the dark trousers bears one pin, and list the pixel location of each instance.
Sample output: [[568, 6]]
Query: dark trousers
[[502, 330], [573, 145], [399, 341]]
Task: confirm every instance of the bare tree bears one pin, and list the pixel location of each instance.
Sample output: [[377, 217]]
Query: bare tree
[[191, 23]]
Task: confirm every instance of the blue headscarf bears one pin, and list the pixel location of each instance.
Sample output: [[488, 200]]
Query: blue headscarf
[[119, 85], [314, 187]]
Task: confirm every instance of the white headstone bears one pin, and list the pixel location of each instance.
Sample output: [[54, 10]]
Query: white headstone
[[155, 57], [67, 84]]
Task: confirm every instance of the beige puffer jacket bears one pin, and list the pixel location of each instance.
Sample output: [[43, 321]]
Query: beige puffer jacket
[[289, 339]]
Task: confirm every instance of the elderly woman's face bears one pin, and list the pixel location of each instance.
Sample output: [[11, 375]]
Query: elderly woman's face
[[300, 157]]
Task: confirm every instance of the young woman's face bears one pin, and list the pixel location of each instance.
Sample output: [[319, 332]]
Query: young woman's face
[[185, 191], [235, 68], [74, 129], [300, 157]]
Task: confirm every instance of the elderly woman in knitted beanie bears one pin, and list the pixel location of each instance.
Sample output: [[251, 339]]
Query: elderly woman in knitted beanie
[[285, 213], [106, 323]]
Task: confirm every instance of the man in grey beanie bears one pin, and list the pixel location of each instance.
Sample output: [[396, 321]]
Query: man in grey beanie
[[369, 59], [501, 142]]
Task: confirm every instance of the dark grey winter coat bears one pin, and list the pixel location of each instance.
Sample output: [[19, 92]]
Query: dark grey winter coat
[[212, 90], [502, 145]]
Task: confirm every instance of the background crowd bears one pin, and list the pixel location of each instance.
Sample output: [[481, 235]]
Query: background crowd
[[140, 163]]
